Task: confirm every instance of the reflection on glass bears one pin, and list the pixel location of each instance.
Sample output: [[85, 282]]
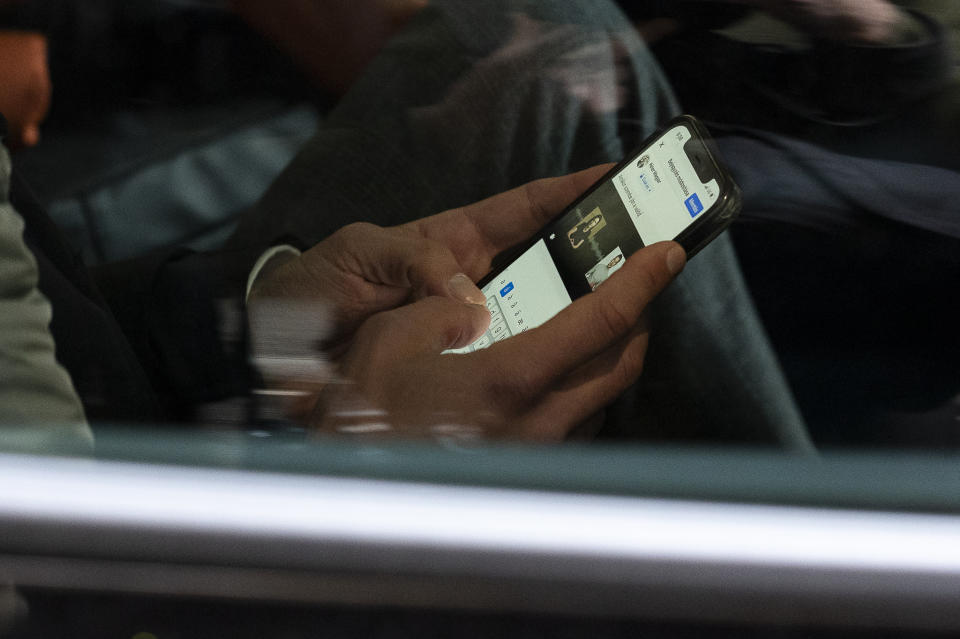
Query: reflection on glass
[[331, 281]]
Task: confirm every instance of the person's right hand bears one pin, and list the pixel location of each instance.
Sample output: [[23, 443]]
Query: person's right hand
[[363, 269], [538, 385], [383, 301]]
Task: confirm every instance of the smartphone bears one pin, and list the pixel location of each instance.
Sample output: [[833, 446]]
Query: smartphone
[[673, 188]]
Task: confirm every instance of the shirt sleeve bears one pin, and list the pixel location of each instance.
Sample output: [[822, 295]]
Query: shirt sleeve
[[40, 410]]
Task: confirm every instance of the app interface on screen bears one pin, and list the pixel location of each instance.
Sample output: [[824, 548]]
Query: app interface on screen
[[653, 198], [525, 294]]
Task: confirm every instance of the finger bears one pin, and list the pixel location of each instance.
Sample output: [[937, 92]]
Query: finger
[[403, 261], [590, 388], [430, 325], [477, 233], [596, 321]]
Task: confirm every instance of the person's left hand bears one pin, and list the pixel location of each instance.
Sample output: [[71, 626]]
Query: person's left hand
[[364, 269], [323, 296]]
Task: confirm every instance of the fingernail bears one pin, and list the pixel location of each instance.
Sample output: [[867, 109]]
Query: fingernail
[[676, 259], [463, 288]]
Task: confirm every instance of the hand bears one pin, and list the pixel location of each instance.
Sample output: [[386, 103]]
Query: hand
[[365, 269], [538, 385], [393, 359]]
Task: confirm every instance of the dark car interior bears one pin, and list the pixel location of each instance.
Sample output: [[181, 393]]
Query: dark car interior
[[148, 130]]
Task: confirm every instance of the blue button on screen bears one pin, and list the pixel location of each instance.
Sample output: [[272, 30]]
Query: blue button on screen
[[506, 289], [694, 205]]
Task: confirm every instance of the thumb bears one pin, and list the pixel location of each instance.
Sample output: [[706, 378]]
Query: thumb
[[398, 259], [431, 325]]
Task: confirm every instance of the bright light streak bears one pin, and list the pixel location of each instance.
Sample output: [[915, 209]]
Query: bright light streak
[[446, 517]]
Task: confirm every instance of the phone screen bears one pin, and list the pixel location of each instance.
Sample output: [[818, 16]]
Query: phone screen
[[654, 196]]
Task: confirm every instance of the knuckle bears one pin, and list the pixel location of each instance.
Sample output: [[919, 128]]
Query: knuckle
[[356, 231], [611, 318], [377, 324], [527, 383], [532, 192], [430, 260], [514, 387], [344, 239], [458, 322], [430, 251]]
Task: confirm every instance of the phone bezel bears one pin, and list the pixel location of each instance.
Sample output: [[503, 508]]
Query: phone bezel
[[693, 238]]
